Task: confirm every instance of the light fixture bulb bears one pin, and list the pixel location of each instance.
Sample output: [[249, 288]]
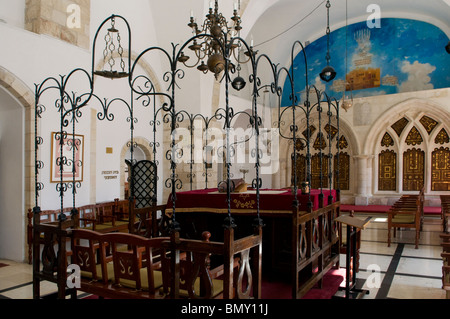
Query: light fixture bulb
[[328, 74]]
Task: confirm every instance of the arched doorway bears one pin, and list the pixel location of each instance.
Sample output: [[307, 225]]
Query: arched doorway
[[12, 177]]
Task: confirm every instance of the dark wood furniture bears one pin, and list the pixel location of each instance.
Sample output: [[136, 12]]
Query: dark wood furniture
[[407, 212], [51, 265], [146, 220], [301, 244], [106, 217], [353, 229], [445, 212], [129, 266], [118, 265], [445, 243], [238, 275]]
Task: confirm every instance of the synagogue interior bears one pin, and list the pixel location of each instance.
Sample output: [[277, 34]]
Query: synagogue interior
[[227, 149]]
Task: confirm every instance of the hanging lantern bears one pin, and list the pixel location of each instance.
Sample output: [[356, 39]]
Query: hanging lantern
[[328, 73], [113, 50]]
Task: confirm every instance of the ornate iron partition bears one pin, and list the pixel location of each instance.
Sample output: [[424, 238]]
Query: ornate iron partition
[[70, 104], [143, 181]]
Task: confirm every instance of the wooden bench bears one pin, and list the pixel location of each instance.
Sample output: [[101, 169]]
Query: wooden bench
[[237, 276], [45, 217], [445, 212], [315, 236], [128, 266], [146, 222], [446, 263], [118, 265], [407, 212], [49, 266], [104, 217]]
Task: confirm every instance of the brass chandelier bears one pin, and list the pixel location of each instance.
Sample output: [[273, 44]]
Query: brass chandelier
[[212, 37]]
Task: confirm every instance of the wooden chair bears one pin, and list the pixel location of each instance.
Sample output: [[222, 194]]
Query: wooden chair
[[87, 217], [45, 217], [188, 271], [107, 218], [51, 264], [196, 279], [87, 251], [145, 221], [118, 265], [135, 267], [407, 212]]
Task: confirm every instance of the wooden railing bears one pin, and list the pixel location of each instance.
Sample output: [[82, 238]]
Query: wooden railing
[[182, 263], [240, 268], [316, 245]]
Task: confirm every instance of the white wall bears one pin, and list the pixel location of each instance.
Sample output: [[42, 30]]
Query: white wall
[[13, 12]]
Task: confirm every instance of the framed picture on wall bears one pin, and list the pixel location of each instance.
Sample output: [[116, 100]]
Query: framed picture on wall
[[73, 151]]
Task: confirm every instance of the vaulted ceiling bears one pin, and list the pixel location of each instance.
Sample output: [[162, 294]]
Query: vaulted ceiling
[[274, 25], [284, 21]]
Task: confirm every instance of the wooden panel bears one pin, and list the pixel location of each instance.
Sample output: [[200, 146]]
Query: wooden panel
[[344, 171], [300, 169], [414, 137], [440, 169], [400, 125], [413, 170], [428, 123], [316, 172], [387, 171]]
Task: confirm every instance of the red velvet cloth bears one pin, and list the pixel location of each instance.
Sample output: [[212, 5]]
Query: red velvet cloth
[[211, 199]]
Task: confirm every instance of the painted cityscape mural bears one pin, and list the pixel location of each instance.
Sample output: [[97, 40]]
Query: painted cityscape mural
[[402, 55]]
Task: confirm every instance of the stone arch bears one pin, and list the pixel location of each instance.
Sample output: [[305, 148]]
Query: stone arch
[[286, 148], [410, 108], [413, 110]]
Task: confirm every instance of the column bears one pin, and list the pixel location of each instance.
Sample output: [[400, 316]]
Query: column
[[363, 179]]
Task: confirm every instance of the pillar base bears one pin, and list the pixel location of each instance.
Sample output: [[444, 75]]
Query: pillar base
[[361, 200]]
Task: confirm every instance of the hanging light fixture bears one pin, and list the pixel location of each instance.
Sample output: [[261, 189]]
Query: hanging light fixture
[[328, 73], [113, 50], [217, 36], [345, 103], [238, 83]]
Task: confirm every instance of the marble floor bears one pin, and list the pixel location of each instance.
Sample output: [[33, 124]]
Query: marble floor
[[396, 272], [401, 271]]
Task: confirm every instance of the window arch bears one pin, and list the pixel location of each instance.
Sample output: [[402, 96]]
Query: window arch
[[414, 153], [414, 161], [321, 163]]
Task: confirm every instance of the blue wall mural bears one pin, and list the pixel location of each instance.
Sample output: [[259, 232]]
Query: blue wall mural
[[402, 56]]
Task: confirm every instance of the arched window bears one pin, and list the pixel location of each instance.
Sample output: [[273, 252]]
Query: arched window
[[320, 159], [413, 162], [424, 159], [343, 169]]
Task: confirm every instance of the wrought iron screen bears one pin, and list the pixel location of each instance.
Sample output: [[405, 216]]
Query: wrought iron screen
[[143, 179]]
